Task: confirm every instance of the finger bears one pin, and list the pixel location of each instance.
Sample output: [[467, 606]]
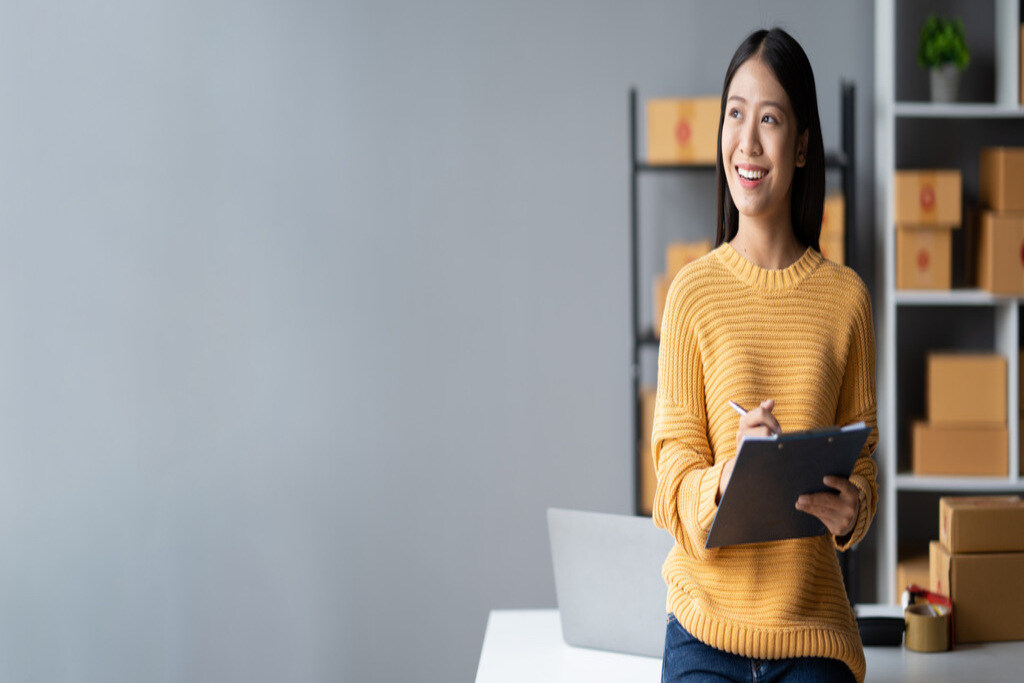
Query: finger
[[821, 502], [768, 404], [842, 484], [769, 420], [760, 418], [836, 517]]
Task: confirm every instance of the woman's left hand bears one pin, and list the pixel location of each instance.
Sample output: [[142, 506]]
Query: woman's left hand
[[837, 511]]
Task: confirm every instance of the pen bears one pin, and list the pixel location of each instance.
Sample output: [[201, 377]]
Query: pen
[[737, 407]]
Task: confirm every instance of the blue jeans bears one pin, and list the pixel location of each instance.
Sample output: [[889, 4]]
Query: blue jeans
[[688, 659]]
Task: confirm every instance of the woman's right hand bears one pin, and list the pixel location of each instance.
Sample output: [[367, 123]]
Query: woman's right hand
[[757, 422]]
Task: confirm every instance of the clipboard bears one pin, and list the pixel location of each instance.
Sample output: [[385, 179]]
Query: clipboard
[[759, 504]]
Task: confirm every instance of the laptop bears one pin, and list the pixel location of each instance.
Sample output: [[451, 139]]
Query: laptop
[[611, 594]]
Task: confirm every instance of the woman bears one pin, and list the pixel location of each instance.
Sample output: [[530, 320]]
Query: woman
[[765, 321]]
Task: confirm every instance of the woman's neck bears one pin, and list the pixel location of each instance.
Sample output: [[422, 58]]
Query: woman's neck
[[767, 244]]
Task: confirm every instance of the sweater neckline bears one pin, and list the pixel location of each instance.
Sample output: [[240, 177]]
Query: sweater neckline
[[765, 278]]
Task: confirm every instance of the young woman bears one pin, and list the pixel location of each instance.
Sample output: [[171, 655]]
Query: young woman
[[765, 321]]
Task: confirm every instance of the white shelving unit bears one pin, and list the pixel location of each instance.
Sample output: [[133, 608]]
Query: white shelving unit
[[894, 304]]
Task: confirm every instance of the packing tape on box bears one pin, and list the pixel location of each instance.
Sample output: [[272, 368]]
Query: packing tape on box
[[927, 628]]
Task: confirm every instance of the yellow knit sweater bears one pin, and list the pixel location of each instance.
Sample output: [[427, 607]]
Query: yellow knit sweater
[[734, 331]]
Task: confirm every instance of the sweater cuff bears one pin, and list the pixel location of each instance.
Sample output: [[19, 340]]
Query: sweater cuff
[[707, 490], [860, 529]]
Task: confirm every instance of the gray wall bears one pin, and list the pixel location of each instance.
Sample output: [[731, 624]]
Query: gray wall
[[308, 311]]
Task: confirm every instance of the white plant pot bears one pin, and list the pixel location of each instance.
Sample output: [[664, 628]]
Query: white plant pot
[[945, 81]]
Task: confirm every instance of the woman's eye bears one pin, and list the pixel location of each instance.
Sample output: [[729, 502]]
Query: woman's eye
[[768, 118], [734, 113]]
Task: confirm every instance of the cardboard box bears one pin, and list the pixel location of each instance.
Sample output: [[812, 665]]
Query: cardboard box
[[986, 590], [661, 285], [981, 524], [960, 450], [966, 388], [911, 570], [833, 248], [1001, 253], [924, 259], [683, 131], [678, 254], [1001, 178], [648, 477], [833, 216], [928, 198], [832, 241]]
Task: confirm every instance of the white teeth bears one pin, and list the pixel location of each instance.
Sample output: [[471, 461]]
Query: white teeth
[[751, 175]]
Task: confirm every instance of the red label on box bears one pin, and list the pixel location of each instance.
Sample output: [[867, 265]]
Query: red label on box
[[922, 259], [927, 197], [683, 132]]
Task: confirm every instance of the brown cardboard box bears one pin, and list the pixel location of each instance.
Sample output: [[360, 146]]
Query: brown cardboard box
[[911, 570], [1001, 178], [833, 234], [928, 198], [960, 450], [678, 254], [966, 388], [648, 480], [833, 248], [1001, 253], [648, 477], [661, 285], [986, 590], [924, 258], [683, 131], [981, 524], [833, 216]]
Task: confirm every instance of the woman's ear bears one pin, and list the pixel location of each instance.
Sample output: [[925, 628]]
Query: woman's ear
[[801, 148]]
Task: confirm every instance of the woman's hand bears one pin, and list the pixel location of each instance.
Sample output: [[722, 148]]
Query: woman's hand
[[757, 422], [837, 511]]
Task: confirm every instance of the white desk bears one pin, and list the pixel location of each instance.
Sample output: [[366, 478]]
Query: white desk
[[527, 645]]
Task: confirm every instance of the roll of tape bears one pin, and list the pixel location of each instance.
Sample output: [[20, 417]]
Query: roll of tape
[[927, 628]]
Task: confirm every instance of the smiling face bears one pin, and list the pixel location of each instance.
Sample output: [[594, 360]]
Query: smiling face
[[761, 147]]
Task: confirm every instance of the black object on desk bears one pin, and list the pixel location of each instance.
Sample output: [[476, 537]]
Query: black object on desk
[[771, 473]]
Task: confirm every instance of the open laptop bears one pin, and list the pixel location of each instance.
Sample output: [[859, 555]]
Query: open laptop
[[611, 595]]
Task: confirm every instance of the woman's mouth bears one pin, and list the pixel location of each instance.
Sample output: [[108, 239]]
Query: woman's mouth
[[751, 177]]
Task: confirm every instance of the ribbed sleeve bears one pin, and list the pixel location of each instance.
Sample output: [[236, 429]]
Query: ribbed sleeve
[[804, 337], [857, 403], [684, 499]]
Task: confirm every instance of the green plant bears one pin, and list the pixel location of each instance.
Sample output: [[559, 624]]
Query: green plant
[[942, 42]]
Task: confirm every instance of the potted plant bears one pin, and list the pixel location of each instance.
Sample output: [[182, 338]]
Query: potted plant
[[943, 50]]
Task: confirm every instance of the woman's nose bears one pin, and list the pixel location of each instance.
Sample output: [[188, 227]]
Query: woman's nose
[[750, 141]]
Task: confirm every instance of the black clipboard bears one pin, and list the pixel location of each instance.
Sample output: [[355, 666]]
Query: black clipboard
[[771, 473]]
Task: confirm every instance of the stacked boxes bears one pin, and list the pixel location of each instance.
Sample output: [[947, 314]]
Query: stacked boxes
[[978, 561], [677, 255], [683, 131], [966, 430], [1000, 258], [928, 209], [833, 230]]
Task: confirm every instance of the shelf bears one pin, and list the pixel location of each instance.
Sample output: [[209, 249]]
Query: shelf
[[957, 110], [647, 338], [912, 482], [832, 160], [951, 297]]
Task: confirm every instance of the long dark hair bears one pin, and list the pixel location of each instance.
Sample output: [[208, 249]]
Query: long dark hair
[[787, 60]]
